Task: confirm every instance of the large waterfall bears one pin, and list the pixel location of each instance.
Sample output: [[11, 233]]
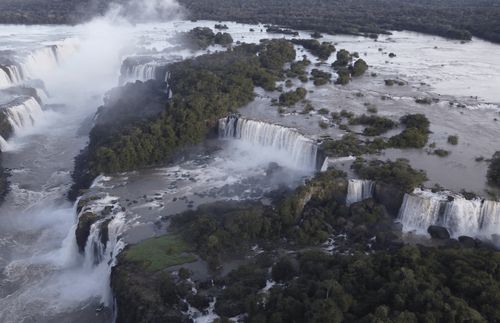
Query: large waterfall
[[301, 150], [476, 217], [359, 190], [34, 64]]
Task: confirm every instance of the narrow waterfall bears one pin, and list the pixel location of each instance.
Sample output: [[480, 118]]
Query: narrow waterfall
[[301, 150], [476, 217], [359, 190], [4, 145], [10, 75], [22, 113], [104, 241]]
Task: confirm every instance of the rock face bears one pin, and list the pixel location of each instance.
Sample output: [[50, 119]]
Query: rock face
[[390, 196], [82, 232], [467, 242], [438, 232], [4, 184]]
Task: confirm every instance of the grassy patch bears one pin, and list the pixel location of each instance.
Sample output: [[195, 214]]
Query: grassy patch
[[162, 252]]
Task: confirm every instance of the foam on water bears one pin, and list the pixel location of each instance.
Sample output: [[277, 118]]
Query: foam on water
[[359, 190], [475, 217], [302, 151]]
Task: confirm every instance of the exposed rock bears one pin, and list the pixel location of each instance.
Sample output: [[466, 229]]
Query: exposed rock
[[390, 196], [467, 242], [82, 231], [438, 232]]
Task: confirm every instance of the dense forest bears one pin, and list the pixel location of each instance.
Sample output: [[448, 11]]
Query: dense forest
[[204, 89], [457, 19], [371, 277]]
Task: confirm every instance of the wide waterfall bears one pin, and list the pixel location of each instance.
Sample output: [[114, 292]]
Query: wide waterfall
[[143, 69], [475, 217], [359, 190], [22, 113], [301, 150]]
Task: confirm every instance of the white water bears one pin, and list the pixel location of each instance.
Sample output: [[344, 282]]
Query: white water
[[140, 72], [476, 217], [23, 114], [359, 190], [301, 151]]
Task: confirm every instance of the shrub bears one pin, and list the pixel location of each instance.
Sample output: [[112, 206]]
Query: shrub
[[453, 140]]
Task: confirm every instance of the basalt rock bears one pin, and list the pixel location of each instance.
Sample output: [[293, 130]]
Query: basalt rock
[[438, 232], [390, 196], [82, 231]]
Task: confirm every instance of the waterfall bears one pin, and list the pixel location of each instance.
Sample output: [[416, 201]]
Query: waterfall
[[4, 145], [43, 60], [476, 217], [10, 75], [23, 113], [359, 190], [301, 150], [143, 69], [104, 242]]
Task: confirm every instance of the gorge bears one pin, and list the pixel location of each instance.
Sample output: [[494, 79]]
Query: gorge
[[191, 151]]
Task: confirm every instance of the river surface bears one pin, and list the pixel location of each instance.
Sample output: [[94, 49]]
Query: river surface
[[43, 278]]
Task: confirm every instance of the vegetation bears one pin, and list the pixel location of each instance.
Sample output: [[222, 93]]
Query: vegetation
[[292, 97], [359, 68], [453, 140], [159, 253], [320, 77], [321, 50], [205, 89], [398, 173], [350, 145], [441, 152], [376, 125], [493, 174], [416, 133], [202, 37]]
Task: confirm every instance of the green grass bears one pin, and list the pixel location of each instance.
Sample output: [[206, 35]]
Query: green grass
[[160, 253]]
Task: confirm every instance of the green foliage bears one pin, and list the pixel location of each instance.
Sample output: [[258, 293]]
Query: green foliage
[[343, 59], [292, 97], [350, 145], [453, 140], [376, 125], [359, 68], [140, 126], [411, 284], [344, 76], [416, 133], [159, 253], [441, 152], [320, 77], [398, 173], [493, 174], [199, 37], [223, 39], [321, 50]]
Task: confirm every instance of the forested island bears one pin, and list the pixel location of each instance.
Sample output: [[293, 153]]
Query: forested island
[[458, 19], [245, 175]]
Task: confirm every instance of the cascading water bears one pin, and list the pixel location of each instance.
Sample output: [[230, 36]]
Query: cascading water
[[10, 75], [476, 217], [43, 60], [301, 150], [359, 190], [22, 113]]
